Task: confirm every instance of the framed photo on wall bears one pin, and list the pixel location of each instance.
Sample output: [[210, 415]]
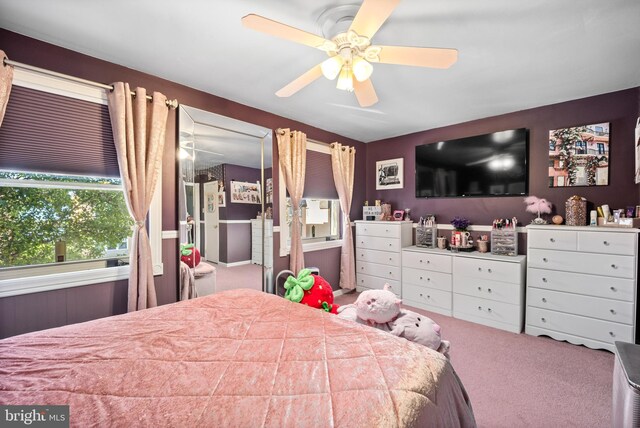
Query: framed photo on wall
[[579, 156], [390, 174], [222, 199], [245, 193]]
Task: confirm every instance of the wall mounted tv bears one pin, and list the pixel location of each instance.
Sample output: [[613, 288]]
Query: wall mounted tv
[[485, 165]]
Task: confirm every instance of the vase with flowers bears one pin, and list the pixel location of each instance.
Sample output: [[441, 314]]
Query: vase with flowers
[[460, 236]]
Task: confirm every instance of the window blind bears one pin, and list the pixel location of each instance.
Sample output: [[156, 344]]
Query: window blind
[[45, 132], [318, 180]]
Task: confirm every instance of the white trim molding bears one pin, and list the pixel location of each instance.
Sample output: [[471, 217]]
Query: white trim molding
[[241, 263], [170, 234], [235, 221]]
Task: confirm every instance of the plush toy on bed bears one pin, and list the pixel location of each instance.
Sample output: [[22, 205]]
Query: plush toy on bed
[[381, 309], [311, 290]]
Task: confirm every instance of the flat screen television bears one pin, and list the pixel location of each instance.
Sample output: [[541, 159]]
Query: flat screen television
[[484, 165]]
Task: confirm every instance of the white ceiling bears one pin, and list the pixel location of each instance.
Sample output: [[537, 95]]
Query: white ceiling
[[513, 55]]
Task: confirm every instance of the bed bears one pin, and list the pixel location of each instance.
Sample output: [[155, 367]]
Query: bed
[[238, 358]]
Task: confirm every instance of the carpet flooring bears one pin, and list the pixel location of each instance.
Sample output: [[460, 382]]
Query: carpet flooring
[[243, 276], [517, 380]]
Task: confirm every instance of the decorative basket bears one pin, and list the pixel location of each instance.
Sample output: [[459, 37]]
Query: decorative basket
[[576, 214]]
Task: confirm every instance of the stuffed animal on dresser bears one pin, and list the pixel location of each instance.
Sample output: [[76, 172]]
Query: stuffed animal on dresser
[[381, 309], [311, 290]]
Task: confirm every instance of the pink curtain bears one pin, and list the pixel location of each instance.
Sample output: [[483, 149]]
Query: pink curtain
[[292, 150], [138, 131], [343, 161], [6, 78]]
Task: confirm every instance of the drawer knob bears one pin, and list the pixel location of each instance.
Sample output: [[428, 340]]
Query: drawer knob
[[552, 240], [613, 312], [612, 288], [390, 245], [488, 290], [428, 296], [544, 300], [420, 278], [386, 230], [612, 334], [614, 266], [420, 294], [479, 308], [544, 279], [390, 273], [428, 279], [479, 269], [544, 259], [428, 261], [543, 319], [606, 243], [390, 259], [489, 270], [488, 309], [479, 288]]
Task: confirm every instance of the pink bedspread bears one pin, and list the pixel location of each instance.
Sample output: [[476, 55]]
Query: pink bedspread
[[239, 358]]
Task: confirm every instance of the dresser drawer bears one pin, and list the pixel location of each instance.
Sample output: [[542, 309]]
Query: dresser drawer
[[486, 309], [590, 328], [389, 230], [607, 242], [598, 264], [376, 282], [590, 285], [488, 289], [376, 256], [552, 239], [487, 269], [595, 307], [378, 243], [423, 260], [425, 295], [426, 278], [374, 269]]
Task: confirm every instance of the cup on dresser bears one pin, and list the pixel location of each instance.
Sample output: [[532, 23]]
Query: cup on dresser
[[442, 242], [483, 246], [465, 236]]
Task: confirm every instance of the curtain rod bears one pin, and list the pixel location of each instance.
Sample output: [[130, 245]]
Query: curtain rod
[[280, 131], [6, 61]]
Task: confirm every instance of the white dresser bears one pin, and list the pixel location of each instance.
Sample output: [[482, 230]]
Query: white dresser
[[256, 242], [581, 284], [378, 253], [478, 287]]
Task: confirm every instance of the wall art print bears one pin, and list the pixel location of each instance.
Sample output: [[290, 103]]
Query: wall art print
[[245, 193], [579, 156], [390, 174]]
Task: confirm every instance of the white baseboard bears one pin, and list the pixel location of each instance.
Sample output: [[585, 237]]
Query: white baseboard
[[244, 262]]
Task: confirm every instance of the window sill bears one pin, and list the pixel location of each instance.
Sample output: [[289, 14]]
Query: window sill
[[58, 281], [314, 246]]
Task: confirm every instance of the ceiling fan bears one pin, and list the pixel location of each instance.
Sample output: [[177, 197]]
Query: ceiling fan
[[351, 52]]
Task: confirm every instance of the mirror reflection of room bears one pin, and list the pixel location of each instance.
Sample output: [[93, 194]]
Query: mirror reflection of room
[[222, 201]]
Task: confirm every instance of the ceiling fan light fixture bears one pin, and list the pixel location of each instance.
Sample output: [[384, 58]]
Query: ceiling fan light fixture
[[361, 69], [345, 81], [332, 66]]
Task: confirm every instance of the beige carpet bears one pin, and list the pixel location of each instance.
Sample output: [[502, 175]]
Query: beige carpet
[[243, 276]]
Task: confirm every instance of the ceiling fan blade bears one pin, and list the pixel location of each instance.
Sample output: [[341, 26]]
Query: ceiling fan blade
[[371, 16], [274, 28], [365, 93], [420, 57], [300, 82]]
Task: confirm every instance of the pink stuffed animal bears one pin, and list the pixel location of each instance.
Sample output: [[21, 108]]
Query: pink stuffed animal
[[381, 309]]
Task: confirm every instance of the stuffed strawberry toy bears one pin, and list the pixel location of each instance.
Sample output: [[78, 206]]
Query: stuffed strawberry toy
[[190, 255], [310, 290]]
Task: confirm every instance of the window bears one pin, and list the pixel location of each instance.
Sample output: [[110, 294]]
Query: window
[[321, 215], [50, 219], [552, 145], [581, 147], [63, 217], [601, 150]]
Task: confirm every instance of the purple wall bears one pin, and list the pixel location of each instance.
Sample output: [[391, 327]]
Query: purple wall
[[37, 311], [620, 108]]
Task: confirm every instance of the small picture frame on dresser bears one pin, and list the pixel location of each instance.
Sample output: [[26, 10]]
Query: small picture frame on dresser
[[398, 215]]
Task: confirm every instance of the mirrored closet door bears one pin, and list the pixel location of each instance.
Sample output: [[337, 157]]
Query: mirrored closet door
[[225, 199]]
